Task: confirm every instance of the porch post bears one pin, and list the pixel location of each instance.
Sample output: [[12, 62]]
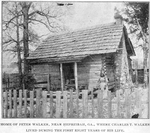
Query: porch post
[[76, 76], [76, 87], [61, 76], [48, 80], [48, 83]]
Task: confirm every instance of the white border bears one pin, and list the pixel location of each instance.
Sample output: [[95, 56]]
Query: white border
[[22, 129]]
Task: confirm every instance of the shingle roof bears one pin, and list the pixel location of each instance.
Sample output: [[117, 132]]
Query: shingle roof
[[96, 40]]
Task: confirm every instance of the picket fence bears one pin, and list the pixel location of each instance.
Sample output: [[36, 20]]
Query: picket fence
[[67, 104]]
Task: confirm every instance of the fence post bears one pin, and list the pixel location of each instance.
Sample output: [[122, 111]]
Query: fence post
[[128, 105], [138, 102], [118, 103], [3, 104], [65, 104], [25, 103], [51, 104], [137, 99], [10, 103], [140, 106], [58, 104], [44, 103], [31, 104], [100, 104], [85, 103], [6, 104], [38, 103], [15, 103], [20, 103], [71, 104], [77, 103], [109, 104]]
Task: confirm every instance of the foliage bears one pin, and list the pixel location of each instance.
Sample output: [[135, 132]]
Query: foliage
[[138, 20], [30, 81], [138, 17]]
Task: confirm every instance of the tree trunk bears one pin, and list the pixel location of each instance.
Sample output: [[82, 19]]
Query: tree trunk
[[25, 11], [19, 56], [145, 64], [149, 63]]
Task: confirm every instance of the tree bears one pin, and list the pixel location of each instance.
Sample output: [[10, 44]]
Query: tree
[[9, 24], [26, 15], [138, 18]]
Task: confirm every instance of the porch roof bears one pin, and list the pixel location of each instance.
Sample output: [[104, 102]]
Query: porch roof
[[59, 59]]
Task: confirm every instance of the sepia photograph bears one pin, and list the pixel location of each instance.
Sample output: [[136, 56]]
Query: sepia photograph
[[75, 60]]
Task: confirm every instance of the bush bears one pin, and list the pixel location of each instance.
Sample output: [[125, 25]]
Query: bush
[[29, 81]]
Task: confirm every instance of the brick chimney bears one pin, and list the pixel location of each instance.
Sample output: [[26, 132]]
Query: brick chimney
[[118, 18]]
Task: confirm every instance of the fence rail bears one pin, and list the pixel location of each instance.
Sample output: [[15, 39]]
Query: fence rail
[[69, 104]]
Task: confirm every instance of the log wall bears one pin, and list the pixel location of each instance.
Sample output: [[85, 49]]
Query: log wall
[[41, 73], [89, 70]]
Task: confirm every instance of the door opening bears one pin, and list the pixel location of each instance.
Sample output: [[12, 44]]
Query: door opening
[[68, 74]]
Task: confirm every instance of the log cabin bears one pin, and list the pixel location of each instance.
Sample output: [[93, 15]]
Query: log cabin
[[77, 58]]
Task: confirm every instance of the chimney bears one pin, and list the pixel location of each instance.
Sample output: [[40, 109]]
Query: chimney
[[118, 18]]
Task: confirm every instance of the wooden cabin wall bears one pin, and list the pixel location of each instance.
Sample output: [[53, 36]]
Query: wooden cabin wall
[[83, 72], [94, 73], [89, 71], [41, 72], [54, 71]]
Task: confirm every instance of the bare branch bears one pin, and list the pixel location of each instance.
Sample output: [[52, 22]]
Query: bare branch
[[42, 14], [8, 41], [13, 39], [8, 22], [10, 50], [11, 20], [39, 21]]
